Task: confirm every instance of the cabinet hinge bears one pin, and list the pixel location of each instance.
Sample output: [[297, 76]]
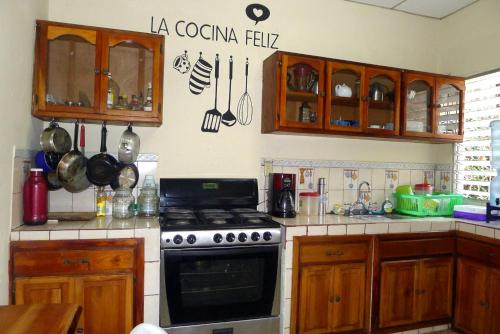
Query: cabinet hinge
[[279, 63], [159, 108], [161, 48], [36, 98]]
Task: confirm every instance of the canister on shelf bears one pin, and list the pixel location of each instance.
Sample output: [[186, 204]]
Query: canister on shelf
[[322, 195]]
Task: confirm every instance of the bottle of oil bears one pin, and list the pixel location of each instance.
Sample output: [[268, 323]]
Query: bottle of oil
[[100, 202]]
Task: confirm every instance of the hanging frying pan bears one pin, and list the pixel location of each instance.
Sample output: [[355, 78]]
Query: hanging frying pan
[[127, 177], [102, 167], [72, 168]]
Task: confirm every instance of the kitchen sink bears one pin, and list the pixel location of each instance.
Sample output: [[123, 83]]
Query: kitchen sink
[[389, 217]]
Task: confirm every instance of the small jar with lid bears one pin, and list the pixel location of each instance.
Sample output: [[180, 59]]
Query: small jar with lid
[[309, 203], [148, 199], [122, 201]]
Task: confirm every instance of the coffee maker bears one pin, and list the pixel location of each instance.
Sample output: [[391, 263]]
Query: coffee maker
[[282, 195]]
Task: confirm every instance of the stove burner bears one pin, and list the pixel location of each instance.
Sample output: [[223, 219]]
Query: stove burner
[[243, 210], [181, 222], [212, 211], [189, 216], [254, 221], [218, 221], [178, 210]]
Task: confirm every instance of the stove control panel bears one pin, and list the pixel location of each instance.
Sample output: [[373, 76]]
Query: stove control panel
[[215, 238]]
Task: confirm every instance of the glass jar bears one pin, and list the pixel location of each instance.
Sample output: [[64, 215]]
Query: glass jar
[[148, 200], [122, 201]]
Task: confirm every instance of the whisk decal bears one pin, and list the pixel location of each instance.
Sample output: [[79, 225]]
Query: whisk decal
[[244, 112]]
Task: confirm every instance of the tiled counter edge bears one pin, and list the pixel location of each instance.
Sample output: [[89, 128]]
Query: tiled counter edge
[[147, 229], [366, 228]]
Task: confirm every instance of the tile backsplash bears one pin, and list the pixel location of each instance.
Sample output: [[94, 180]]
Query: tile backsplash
[[343, 177]]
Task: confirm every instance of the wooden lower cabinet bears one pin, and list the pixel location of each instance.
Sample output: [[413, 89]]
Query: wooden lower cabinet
[[111, 299], [331, 291], [477, 298]]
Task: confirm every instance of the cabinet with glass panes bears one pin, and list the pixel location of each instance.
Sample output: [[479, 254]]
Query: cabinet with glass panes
[[433, 106], [97, 74]]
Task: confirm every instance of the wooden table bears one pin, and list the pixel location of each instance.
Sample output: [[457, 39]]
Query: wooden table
[[37, 318]]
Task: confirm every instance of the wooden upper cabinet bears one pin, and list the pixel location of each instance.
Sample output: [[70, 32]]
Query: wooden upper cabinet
[[432, 106], [343, 103], [418, 104], [381, 91], [301, 92], [97, 74], [398, 299], [449, 116]]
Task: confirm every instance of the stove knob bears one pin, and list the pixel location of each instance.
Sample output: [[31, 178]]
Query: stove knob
[[178, 239], [267, 236], [218, 238], [230, 237], [191, 239], [255, 236], [242, 237]]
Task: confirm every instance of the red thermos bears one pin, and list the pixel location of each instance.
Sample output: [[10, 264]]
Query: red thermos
[[35, 194]]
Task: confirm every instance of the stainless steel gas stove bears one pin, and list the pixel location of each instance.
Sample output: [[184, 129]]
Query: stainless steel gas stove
[[220, 258]]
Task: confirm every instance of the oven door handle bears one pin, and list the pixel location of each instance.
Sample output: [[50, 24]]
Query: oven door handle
[[260, 249]]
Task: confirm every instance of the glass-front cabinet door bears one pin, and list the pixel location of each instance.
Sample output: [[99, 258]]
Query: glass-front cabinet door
[[302, 92], [129, 82], [382, 94], [343, 105], [449, 108], [68, 75], [418, 102]]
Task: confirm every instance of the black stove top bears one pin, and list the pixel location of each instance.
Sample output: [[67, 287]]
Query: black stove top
[[182, 219]]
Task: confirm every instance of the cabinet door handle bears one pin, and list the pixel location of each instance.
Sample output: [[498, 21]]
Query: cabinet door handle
[[85, 260], [79, 331], [492, 254], [338, 299], [69, 262], [97, 70], [337, 252]]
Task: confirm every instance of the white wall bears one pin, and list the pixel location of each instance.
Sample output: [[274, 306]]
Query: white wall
[[335, 28], [469, 40], [17, 128]]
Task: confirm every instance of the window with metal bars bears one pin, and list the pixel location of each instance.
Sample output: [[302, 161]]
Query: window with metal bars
[[473, 171]]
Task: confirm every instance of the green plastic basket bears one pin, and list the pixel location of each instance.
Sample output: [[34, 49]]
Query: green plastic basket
[[437, 204]]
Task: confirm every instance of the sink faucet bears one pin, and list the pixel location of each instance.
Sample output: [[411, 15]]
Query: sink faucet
[[359, 207]]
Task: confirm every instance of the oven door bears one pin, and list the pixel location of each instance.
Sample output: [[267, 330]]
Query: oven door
[[218, 284]]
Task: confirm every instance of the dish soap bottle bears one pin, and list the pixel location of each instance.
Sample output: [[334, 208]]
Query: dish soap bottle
[[387, 206], [100, 202]]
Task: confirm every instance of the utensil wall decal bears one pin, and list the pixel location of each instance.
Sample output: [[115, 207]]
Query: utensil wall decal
[[212, 119], [245, 106], [200, 76], [228, 118], [181, 63]]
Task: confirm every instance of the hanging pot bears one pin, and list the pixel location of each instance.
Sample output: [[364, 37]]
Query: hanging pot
[[55, 139]]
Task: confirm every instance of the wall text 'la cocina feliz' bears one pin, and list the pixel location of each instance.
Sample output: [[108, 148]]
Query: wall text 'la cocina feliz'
[[213, 32]]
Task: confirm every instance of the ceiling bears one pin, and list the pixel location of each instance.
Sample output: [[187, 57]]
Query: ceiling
[[437, 9]]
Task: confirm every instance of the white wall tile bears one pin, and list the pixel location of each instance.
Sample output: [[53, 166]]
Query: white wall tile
[[378, 196], [60, 201], [497, 234], [441, 226], [321, 172], [440, 328], [93, 234], [152, 309], [335, 197], [377, 228], [17, 210], [151, 278], [351, 179], [14, 236], [417, 177], [146, 168], [404, 177], [286, 313], [64, 235], [378, 179], [289, 255], [365, 175], [426, 330], [355, 229], [84, 201], [485, 231], [399, 227], [317, 230], [337, 229], [34, 235], [288, 283], [151, 243], [413, 331], [350, 196], [295, 231], [336, 179], [467, 228], [116, 234], [421, 226]]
